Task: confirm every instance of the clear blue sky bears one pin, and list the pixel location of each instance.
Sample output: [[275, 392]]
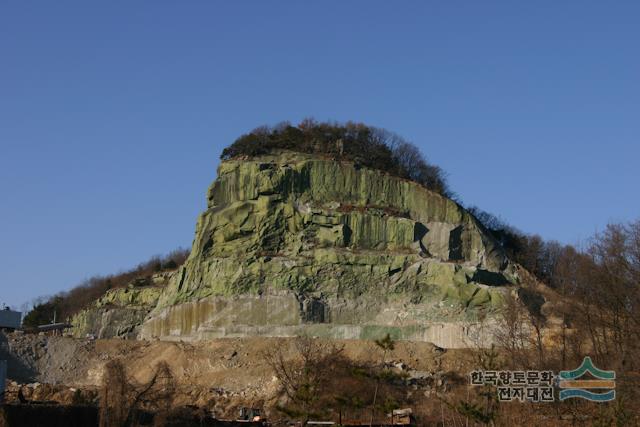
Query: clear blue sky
[[113, 114]]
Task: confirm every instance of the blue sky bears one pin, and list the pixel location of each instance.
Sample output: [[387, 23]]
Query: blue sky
[[113, 114]]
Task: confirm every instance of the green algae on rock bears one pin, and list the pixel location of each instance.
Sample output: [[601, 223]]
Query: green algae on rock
[[118, 313], [296, 244]]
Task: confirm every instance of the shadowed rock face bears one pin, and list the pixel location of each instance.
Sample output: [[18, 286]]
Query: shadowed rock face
[[294, 244]]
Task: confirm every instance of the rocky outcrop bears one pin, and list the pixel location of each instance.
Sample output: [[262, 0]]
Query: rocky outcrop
[[118, 313], [293, 244]]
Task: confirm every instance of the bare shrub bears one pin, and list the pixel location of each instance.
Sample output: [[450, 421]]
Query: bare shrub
[[318, 380], [114, 395], [122, 399], [305, 380]]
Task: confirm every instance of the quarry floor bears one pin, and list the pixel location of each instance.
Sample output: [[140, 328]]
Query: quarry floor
[[221, 374]]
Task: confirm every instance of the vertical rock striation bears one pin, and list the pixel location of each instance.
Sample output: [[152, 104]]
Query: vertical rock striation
[[296, 244]]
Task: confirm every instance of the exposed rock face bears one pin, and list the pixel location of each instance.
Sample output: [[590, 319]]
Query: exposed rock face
[[118, 313], [295, 244]]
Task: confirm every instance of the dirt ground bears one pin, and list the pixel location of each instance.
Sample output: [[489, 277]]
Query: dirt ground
[[221, 374]]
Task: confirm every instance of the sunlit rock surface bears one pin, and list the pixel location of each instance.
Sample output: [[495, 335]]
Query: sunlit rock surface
[[293, 244], [118, 313]]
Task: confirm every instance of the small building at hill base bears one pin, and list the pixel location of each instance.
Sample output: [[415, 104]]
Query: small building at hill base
[[10, 319]]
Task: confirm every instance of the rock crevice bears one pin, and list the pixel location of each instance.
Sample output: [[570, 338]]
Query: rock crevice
[[295, 244]]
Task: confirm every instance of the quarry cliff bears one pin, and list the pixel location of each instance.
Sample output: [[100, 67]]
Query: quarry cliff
[[302, 244]]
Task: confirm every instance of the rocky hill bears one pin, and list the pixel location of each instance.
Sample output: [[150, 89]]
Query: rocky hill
[[301, 244]]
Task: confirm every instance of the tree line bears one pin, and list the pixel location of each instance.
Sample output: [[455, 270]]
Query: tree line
[[595, 311], [66, 304], [367, 146]]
